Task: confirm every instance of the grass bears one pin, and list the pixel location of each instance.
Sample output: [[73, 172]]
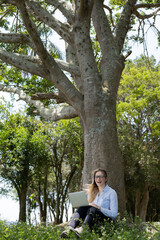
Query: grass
[[122, 230]]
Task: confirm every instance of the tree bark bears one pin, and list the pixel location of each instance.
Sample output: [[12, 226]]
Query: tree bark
[[22, 204], [101, 146], [142, 199]]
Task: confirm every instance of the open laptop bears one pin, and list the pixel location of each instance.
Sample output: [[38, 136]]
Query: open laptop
[[78, 199]]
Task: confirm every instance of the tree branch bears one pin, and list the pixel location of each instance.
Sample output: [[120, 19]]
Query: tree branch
[[102, 28], [85, 8], [83, 45], [24, 63], [146, 16], [13, 2], [16, 38], [147, 5], [111, 17], [43, 15], [55, 75], [34, 66], [30, 63], [32, 30], [64, 112], [64, 7], [5, 13], [40, 96], [111, 58], [123, 24], [68, 67]]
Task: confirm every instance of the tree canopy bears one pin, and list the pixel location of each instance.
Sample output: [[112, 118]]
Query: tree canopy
[[138, 116], [39, 161]]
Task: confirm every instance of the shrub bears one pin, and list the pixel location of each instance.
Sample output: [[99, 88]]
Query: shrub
[[21, 231], [121, 230]]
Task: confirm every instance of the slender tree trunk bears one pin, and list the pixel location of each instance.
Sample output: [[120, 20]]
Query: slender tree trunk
[[44, 217], [142, 199], [42, 205], [22, 204]]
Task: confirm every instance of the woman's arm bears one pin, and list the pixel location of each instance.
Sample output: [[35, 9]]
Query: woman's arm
[[108, 204], [95, 205], [112, 211]]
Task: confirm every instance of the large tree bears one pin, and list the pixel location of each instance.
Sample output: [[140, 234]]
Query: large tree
[[91, 90]]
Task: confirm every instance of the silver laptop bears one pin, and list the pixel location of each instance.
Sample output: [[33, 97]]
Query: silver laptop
[[78, 199]]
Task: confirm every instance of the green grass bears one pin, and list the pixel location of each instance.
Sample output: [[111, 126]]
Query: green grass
[[122, 230]]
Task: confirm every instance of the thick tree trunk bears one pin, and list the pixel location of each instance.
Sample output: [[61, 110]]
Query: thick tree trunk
[[142, 198], [101, 146], [22, 205]]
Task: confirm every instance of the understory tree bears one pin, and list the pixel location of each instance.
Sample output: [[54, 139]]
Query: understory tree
[[39, 160], [86, 83], [52, 176], [138, 115], [16, 156]]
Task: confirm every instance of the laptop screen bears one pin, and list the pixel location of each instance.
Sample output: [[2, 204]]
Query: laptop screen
[[78, 199]]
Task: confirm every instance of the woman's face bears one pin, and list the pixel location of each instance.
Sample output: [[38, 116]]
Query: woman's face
[[100, 179]]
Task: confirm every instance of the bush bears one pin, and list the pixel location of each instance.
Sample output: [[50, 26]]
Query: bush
[[125, 230], [21, 231], [121, 230]]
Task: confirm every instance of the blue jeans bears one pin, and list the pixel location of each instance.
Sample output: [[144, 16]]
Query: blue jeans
[[89, 215]]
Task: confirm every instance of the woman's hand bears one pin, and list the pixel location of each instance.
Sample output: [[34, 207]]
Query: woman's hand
[[94, 205]]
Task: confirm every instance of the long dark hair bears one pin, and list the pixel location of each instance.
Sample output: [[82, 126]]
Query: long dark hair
[[92, 189]]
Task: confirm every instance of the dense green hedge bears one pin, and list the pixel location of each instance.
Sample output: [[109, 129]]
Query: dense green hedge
[[120, 231]]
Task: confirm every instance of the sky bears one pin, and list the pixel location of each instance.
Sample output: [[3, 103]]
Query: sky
[[9, 208], [151, 42]]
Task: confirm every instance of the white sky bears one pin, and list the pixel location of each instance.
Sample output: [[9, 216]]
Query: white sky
[[9, 209], [152, 47]]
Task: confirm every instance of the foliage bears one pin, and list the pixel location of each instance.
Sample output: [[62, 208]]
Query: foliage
[[122, 230], [19, 156], [62, 170], [66, 164], [11, 76], [27, 82], [28, 232], [17, 152], [138, 117], [43, 157], [4, 110], [153, 212]]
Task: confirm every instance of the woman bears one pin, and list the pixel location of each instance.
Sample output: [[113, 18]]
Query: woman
[[103, 204]]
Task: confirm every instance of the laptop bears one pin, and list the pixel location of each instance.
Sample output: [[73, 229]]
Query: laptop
[[78, 199]]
